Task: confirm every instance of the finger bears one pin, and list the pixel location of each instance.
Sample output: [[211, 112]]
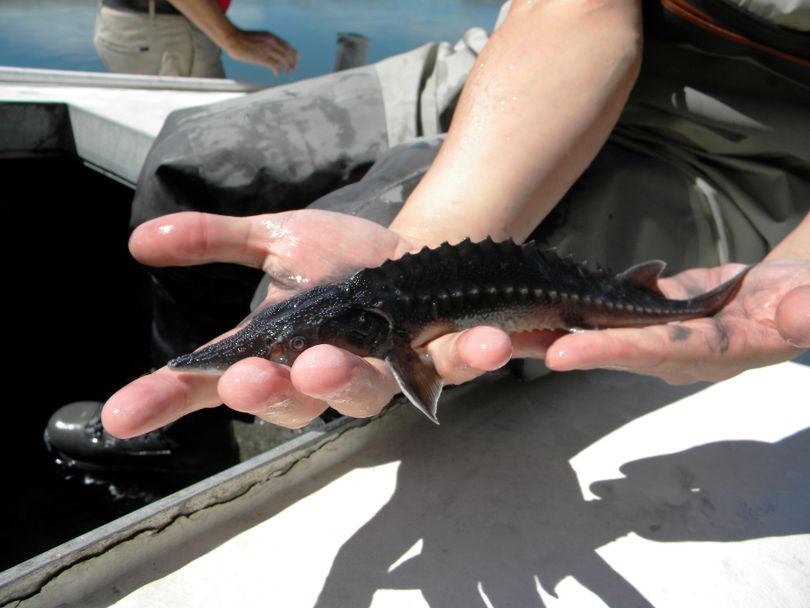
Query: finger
[[676, 353], [188, 238], [277, 58], [289, 61], [276, 53], [287, 50], [281, 53], [460, 357], [259, 387], [292, 58], [793, 317], [617, 348], [352, 385], [285, 63], [702, 349], [153, 401]]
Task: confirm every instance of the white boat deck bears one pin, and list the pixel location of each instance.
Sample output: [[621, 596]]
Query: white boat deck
[[114, 118], [582, 489]]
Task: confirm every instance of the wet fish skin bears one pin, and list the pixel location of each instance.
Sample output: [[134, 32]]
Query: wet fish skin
[[392, 311]]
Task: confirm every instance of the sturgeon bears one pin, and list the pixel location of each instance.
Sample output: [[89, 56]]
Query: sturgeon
[[392, 311]]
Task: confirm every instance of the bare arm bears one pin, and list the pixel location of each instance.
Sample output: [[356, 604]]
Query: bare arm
[[539, 104], [263, 48]]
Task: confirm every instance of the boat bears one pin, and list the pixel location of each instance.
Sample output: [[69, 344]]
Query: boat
[[587, 488]]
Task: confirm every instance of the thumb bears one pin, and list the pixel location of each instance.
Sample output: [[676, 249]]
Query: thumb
[[793, 317]]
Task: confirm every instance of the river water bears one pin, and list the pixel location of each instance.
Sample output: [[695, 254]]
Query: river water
[[58, 34]]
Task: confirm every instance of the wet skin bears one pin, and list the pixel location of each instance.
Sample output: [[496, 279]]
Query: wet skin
[[766, 323], [390, 311]]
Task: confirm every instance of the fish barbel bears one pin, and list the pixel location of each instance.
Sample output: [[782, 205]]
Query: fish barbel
[[392, 311]]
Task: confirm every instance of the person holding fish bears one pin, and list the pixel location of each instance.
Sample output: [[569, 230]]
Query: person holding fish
[[562, 137]]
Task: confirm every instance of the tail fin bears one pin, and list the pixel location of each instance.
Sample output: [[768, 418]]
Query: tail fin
[[715, 300]]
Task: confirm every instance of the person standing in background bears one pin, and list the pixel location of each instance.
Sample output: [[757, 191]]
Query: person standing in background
[[182, 38]]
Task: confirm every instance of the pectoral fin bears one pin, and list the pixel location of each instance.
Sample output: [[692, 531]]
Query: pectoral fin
[[416, 377]]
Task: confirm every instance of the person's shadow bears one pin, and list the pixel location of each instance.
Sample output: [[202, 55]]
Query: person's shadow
[[497, 509]]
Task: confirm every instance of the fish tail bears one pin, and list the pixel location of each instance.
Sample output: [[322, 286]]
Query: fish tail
[[712, 302]]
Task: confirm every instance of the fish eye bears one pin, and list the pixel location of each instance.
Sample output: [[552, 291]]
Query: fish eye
[[297, 343]]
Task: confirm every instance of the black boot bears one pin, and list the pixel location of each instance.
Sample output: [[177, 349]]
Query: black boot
[[197, 445]]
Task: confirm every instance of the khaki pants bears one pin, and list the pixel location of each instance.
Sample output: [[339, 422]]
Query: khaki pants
[[160, 45]]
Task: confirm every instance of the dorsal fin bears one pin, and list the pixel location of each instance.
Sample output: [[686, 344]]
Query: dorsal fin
[[645, 275]]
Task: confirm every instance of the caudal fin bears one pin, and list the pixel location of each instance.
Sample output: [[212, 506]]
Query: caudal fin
[[712, 302]]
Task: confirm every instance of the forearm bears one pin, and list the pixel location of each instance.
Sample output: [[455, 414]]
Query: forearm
[[539, 104], [208, 16], [795, 245]]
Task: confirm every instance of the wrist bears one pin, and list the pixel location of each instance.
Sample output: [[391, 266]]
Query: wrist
[[439, 212], [228, 37]]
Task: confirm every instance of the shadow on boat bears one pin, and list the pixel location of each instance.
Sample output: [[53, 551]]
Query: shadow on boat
[[492, 506]]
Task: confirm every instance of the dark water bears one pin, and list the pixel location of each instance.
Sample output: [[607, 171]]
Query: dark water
[[58, 34]]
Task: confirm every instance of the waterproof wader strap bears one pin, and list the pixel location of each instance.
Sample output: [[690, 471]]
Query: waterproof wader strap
[[733, 23]]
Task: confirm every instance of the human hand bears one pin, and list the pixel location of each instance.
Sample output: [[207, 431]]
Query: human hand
[[767, 322], [262, 48], [298, 249]]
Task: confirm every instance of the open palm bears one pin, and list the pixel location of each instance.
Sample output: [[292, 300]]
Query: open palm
[[300, 249], [767, 322]]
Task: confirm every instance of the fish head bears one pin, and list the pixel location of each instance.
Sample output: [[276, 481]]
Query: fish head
[[281, 332], [363, 332]]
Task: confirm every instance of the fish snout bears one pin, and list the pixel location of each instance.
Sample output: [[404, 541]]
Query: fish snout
[[219, 356]]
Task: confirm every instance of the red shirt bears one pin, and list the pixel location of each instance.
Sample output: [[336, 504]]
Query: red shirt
[[224, 4]]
